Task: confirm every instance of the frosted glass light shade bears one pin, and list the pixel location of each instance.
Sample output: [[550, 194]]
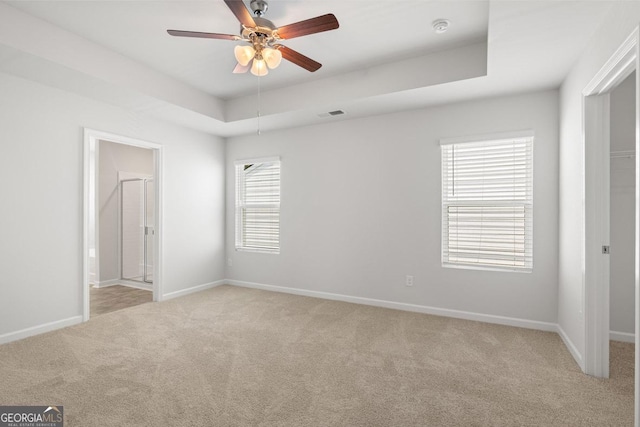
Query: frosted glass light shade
[[272, 57], [244, 54], [259, 68]]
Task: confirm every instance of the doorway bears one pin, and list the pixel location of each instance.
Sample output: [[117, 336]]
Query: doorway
[[597, 219], [122, 222], [622, 210], [622, 197]]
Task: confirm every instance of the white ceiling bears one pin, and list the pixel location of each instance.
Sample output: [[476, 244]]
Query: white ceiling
[[531, 46]]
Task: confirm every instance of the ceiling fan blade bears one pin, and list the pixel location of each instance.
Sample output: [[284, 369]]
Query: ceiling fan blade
[[241, 12], [309, 26], [180, 33], [240, 69], [299, 59]]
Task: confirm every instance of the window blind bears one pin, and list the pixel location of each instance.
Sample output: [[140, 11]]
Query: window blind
[[487, 204], [258, 205]]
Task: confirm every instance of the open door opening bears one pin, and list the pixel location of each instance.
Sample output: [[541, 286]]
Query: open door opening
[[597, 249], [123, 233], [622, 254]]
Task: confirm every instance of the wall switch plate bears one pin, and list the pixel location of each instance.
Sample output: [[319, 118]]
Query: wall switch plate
[[229, 262], [409, 281]]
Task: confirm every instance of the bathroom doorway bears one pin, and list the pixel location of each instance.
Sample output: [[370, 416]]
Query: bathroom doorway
[[122, 218]]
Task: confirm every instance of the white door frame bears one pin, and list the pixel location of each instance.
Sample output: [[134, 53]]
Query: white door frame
[[596, 222], [91, 138], [595, 125]]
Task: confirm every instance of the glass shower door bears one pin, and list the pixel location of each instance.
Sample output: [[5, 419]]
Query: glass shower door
[[136, 226], [149, 232]]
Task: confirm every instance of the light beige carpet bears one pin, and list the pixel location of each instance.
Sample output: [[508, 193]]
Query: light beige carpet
[[240, 357]]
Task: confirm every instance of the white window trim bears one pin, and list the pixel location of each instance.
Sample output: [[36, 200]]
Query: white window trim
[[257, 160], [237, 204], [488, 137], [482, 138]]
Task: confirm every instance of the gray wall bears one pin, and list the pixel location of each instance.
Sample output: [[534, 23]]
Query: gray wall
[[361, 209], [41, 183]]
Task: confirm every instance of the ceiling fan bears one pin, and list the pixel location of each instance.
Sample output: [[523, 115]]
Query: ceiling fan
[[263, 38]]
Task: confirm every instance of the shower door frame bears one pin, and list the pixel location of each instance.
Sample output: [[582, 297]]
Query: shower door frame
[[144, 179], [90, 205]]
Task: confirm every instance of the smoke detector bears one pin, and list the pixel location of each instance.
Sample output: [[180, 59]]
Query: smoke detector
[[440, 26]]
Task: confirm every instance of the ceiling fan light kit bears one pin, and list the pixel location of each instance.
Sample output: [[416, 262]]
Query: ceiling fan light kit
[[272, 57], [244, 54], [259, 68], [260, 53], [264, 38]]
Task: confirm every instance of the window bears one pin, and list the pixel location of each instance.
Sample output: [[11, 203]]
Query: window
[[487, 203], [258, 205]]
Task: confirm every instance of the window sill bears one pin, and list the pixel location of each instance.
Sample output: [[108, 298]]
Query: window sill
[[260, 251], [487, 268]]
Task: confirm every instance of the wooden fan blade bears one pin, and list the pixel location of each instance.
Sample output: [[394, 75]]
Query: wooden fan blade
[[180, 33], [299, 59], [309, 26], [240, 69], [241, 12]]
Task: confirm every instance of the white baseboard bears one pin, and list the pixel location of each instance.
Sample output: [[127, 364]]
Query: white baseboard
[[124, 282], [487, 318], [192, 290], [138, 285], [622, 336], [40, 329], [570, 346], [106, 283]]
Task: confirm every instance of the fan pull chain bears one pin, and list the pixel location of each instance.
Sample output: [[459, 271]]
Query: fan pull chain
[[259, 101]]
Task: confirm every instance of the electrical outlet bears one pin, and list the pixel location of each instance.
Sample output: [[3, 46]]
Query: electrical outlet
[[409, 281], [229, 262]]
